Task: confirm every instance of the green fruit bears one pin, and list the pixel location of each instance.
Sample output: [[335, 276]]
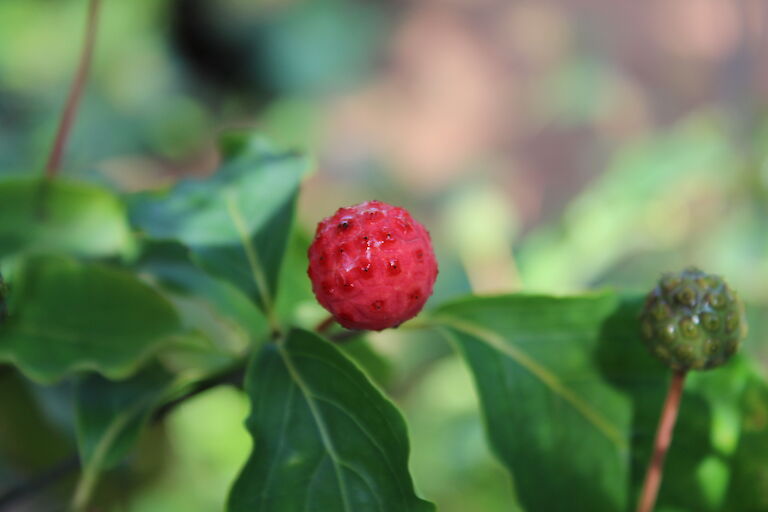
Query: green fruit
[[693, 320]]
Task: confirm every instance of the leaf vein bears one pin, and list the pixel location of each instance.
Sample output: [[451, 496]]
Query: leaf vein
[[280, 444], [321, 426], [549, 379]]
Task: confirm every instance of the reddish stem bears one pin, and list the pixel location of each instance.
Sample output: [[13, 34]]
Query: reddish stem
[[661, 444], [75, 92], [323, 326]]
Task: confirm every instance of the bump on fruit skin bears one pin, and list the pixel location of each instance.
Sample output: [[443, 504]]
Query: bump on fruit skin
[[693, 320], [372, 266]]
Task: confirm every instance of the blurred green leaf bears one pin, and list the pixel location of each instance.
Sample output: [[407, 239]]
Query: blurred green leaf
[[236, 222], [295, 291], [67, 315], [312, 47], [748, 489], [110, 414], [376, 367], [552, 418], [23, 423], [64, 216], [211, 309], [324, 437], [637, 205]]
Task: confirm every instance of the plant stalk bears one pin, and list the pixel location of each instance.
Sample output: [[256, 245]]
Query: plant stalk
[[75, 92], [324, 325], [661, 444]]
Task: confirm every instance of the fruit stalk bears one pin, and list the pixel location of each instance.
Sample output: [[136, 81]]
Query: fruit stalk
[[325, 325], [75, 92], [661, 444]]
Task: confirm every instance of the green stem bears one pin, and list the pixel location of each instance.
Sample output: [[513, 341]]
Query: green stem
[[91, 471], [75, 92], [89, 477]]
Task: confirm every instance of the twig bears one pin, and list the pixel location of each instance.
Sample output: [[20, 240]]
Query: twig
[[75, 92], [232, 375], [661, 444], [39, 482], [323, 326]]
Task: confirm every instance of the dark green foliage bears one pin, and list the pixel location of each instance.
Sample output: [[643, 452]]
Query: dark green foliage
[[324, 437], [553, 417], [693, 320], [3, 294]]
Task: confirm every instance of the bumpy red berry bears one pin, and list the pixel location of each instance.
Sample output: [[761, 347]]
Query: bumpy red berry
[[372, 266], [693, 320]]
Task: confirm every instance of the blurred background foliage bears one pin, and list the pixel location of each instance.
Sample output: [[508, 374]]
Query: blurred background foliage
[[549, 146]]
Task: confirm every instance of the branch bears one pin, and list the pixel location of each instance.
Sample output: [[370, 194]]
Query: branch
[[38, 483], [232, 375], [75, 92]]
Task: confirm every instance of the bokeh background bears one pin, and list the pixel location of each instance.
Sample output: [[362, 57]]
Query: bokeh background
[[550, 146]]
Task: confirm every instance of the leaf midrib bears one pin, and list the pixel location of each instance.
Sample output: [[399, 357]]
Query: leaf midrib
[[319, 421], [254, 262], [550, 380]]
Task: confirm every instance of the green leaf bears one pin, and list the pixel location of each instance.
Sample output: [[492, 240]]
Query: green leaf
[[553, 418], [61, 216], [24, 422], [211, 309], [236, 222], [111, 414], [572, 399], [324, 437], [67, 315], [375, 366], [748, 489], [295, 294]]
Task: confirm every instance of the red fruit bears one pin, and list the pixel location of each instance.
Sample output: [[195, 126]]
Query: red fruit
[[372, 266]]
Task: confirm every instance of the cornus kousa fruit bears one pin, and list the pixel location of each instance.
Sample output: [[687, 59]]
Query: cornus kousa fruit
[[372, 266], [693, 320]]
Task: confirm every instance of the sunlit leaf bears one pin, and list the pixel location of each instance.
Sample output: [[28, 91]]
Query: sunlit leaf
[[65, 216], [67, 315], [236, 222], [324, 437]]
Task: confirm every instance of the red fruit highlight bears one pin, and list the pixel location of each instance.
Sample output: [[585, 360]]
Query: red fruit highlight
[[372, 266]]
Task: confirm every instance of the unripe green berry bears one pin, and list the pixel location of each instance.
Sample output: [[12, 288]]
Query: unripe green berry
[[693, 320]]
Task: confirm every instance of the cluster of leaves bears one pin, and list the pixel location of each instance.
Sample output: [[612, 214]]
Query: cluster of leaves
[[142, 299]]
